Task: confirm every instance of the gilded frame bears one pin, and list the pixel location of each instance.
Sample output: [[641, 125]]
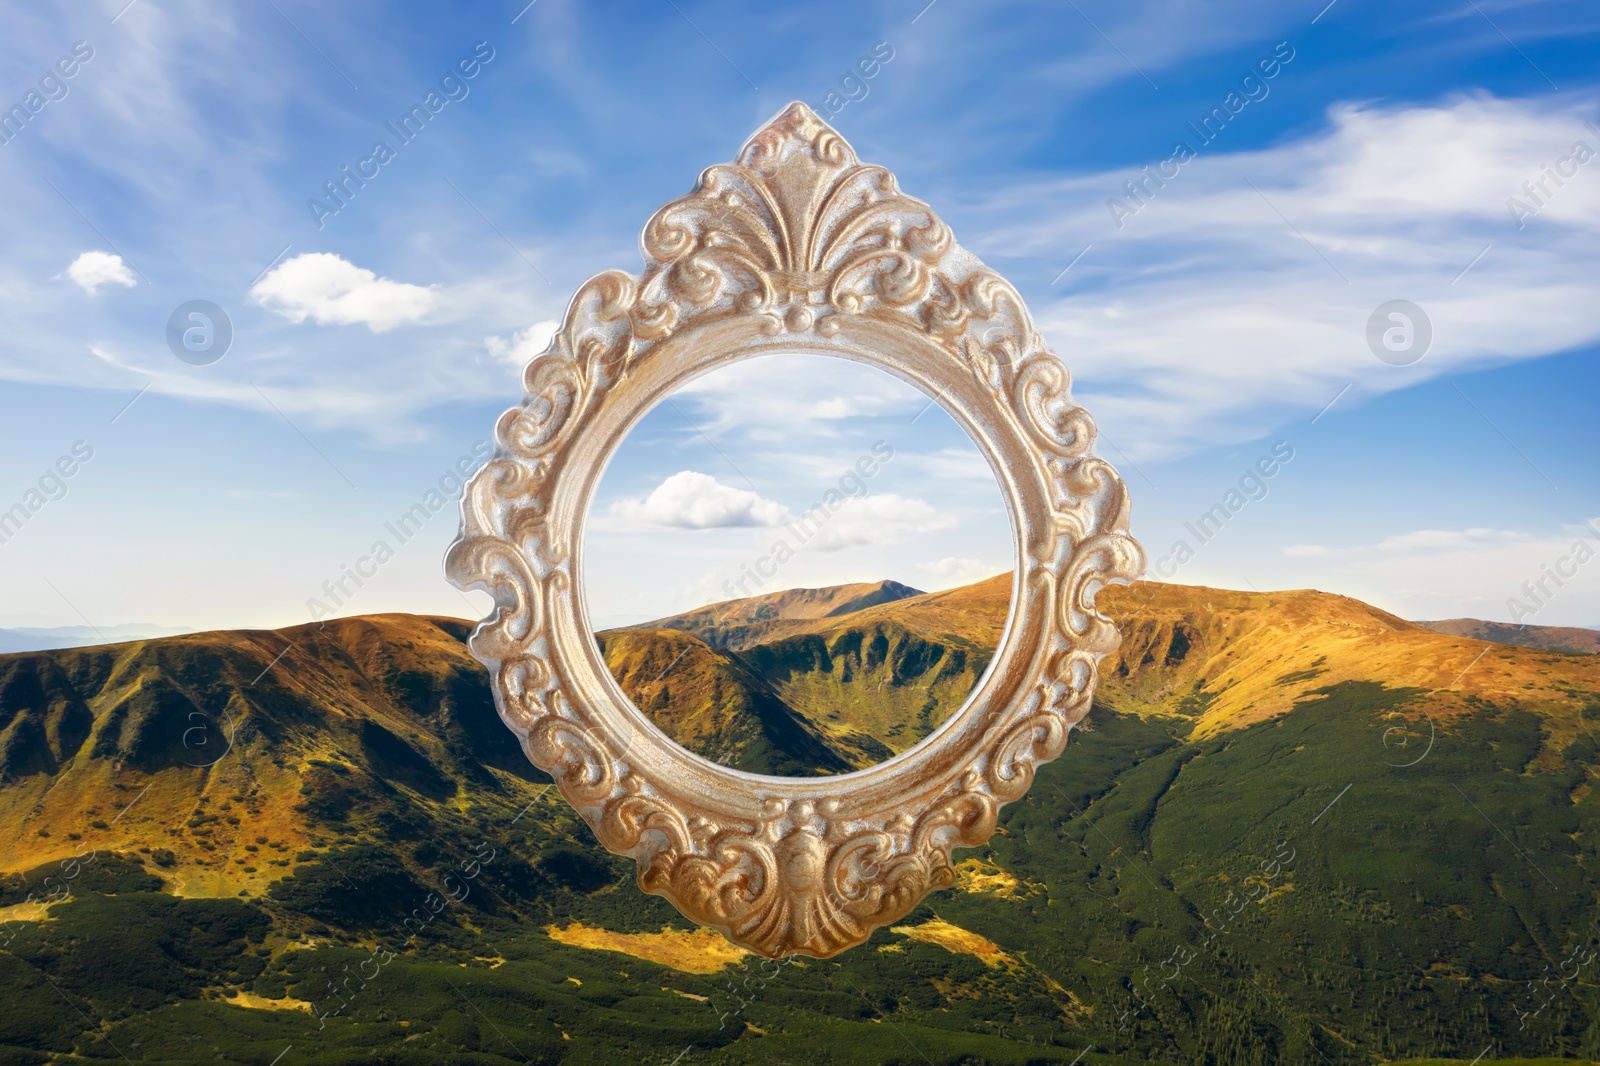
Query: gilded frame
[[794, 247]]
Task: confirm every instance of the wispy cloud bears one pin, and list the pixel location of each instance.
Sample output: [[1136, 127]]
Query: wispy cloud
[[524, 344], [881, 519], [1432, 540], [1209, 318], [952, 571], [1477, 571]]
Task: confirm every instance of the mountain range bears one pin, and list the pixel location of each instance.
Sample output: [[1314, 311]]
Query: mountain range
[[1294, 828], [34, 639], [1551, 638], [811, 681]]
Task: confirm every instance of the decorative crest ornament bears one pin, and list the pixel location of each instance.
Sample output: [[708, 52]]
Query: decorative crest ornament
[[794, 247]]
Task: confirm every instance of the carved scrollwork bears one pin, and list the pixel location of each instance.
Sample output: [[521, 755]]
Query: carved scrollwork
[[795, 245]]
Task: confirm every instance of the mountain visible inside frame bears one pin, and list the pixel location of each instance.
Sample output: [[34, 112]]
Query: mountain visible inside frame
[[1294, 825], [739, 623], [811, 681]]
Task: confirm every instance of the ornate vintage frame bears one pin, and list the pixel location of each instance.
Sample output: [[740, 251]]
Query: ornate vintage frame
[[795, 247]]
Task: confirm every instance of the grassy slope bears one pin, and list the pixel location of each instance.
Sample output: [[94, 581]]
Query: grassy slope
[[1420, 901], [893, 671], [1229, 659], [867, 669], [387, 702], [712, 704]]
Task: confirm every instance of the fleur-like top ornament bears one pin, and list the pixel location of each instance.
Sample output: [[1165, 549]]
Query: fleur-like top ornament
[[795, 246]]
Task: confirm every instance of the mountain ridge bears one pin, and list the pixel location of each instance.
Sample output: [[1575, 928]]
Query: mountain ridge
[[1577, 639], [734, 624], [1294, 828], [202, 718]]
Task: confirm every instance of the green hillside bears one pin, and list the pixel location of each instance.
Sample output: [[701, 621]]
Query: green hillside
[[712, 703], [1241, 858]]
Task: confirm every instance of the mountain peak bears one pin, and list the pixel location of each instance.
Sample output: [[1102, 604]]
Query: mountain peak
[[738, 623]]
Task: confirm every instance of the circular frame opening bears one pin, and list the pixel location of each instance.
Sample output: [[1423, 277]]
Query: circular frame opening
[[754, 348]]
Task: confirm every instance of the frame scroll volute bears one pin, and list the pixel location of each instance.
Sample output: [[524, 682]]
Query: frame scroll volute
[[794, 247]]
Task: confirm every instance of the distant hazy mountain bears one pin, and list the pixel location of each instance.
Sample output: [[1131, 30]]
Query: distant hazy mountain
[[14, 640], [1550, 638]]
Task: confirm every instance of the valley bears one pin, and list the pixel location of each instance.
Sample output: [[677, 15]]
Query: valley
[[1294, 828]]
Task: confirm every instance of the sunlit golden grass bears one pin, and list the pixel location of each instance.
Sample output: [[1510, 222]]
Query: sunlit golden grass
[[252, 1001], [975, 875], [955, 939], [701, 951]]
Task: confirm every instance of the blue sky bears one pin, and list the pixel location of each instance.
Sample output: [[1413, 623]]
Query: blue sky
[[374, 347]]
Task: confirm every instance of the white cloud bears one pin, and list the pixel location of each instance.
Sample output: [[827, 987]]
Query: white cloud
[[524, 344], [1219, 312], [692, 500], [94, 269], [332, 290], [1306, 551], [885, 518], [836, 407]]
